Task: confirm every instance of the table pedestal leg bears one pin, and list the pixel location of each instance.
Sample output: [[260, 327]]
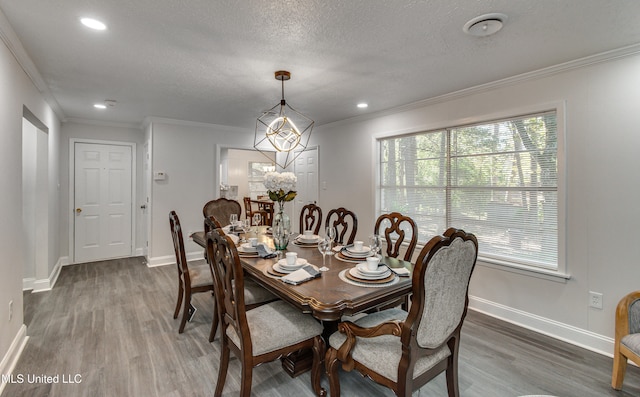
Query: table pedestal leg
[[300, 362]]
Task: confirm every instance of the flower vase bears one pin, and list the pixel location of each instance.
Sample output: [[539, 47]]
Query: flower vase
[[281, 228]]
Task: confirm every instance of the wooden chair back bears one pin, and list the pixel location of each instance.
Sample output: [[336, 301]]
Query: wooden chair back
[[396, 227], [345, 223], [221, 209], [178, 246], [310, 218]]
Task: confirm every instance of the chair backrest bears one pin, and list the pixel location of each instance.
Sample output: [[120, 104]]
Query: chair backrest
[[178, 246], [221, 209], [247, 207], [396, 226], [440, 289], [343, 220], [310, 218], [228, 285], [211, 223]]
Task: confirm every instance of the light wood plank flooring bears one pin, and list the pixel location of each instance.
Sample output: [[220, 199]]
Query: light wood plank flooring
[[111, 323]]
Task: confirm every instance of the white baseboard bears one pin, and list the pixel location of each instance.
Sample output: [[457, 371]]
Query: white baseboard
[[45, 284], [10, 359], [171, 259], [555, 329]]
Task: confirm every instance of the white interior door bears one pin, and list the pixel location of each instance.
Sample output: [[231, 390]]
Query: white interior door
[[102, 201], [306, 169]]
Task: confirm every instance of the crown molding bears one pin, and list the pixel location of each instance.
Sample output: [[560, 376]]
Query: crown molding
[[162, 120], [13, 43], [606, 56], [104, 123]]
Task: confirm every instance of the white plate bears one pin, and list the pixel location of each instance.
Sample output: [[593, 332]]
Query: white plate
[[356, 273], [311, 240], [282, 263], [348, 254], [247, 247], [364, 251], [364, 270]]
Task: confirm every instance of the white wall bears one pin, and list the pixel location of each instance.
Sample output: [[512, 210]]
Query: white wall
[[186, 153], [602, 191], [98, 132], [18, 92]]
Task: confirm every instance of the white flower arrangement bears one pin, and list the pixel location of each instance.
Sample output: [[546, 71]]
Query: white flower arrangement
[[280, 186]]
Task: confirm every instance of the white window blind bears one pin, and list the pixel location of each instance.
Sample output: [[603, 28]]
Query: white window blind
[[498, 180]]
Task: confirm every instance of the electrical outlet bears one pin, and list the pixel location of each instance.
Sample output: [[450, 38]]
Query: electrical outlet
[[595, 299], [10, 310]]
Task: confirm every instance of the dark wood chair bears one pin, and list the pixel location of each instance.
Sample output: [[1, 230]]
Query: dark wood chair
[[221, 209], [404, 351], [250, 209], [627, 337], [396, 227], [193, 277], [254, 294], [310, 218], [344, 222], [262, 334]]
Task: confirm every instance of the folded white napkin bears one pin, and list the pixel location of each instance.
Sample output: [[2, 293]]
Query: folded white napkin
[[305, 273], [401, 271]]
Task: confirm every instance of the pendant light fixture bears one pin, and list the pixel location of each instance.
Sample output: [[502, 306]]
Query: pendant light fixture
[[282, 128]]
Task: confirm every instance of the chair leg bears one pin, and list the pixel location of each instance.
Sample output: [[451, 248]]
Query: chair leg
[[619, 368], [331, 364], [224, 366], [180, 295], [246, 379], [186, 311], [316, 368], [452, 375]]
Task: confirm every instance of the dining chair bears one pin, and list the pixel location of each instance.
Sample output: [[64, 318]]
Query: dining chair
[[310, 218], [262, 334], [338, 218], [396, 226], [627, 337], [193, 277], [221, 209], [405, 350], [254, 294]]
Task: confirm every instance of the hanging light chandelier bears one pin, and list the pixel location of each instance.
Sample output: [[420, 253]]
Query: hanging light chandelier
[[282, 128]]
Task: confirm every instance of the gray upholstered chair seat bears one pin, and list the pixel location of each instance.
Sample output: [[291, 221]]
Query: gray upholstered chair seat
[[632, 342], [254, 293], [277, 325], [199, 273], [382, 354]]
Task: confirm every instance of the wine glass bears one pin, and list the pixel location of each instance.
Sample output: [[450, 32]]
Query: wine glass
[[257, 219], [324, 246], [376, 243], [246, 228], [233, 220], [330, 232]]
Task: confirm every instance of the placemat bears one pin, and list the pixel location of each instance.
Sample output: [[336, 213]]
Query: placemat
[[344, 278]]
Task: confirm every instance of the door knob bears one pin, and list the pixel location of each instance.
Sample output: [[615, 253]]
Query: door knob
[[78, 210], [143, 206]]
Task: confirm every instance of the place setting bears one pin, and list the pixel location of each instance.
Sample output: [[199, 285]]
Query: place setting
[[293, 270], [307, 239], [369, 273], [356, 252]]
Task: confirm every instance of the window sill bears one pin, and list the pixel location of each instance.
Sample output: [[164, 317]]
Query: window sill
[[545, 274]]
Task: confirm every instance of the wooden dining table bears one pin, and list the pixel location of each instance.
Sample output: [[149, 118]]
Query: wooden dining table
[[327, 298]]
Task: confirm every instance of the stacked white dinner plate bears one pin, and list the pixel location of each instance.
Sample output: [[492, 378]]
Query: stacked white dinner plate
[[361, 271], [247, 248], [308, 240], [352, 252], [282, 266]]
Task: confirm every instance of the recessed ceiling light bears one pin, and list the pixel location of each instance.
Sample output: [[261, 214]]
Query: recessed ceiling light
[[485, 25], [363, 105], [93, 23], [99, 106]]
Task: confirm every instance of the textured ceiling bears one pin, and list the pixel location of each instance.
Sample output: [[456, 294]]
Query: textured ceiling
[[213, 61]]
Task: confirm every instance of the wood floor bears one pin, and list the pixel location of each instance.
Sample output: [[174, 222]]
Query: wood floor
[[111, 323]]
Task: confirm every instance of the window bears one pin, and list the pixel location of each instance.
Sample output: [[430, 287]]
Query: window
[[497, 179]]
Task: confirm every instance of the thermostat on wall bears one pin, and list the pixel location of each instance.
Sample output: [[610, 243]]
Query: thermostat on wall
[[159, 176]]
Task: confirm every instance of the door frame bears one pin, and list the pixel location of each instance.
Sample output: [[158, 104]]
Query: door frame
[[72, 184]]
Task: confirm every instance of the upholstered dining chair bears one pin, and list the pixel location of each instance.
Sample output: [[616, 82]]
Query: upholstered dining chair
[[262, 334], [345, 222], [404, 351], [310, 218], [396, 226], [193, 277], [221, 209], [254, 294], [627, 337]]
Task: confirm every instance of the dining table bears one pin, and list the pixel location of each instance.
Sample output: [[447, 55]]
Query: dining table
[[329, 297]]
